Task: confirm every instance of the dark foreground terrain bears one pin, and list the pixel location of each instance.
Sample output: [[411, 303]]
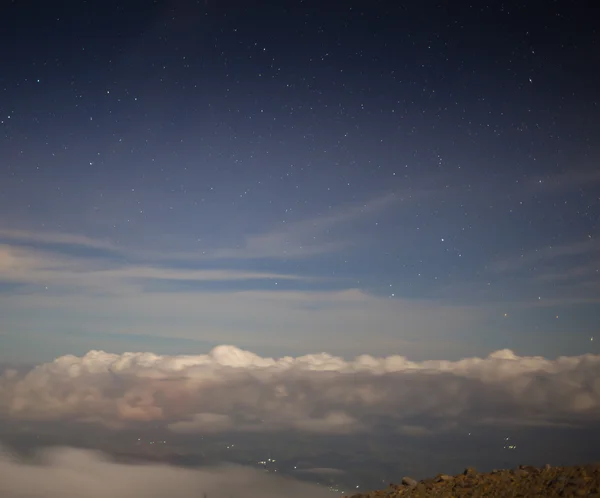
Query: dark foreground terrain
[[525, 481]]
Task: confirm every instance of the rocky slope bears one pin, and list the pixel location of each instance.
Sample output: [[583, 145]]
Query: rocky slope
[[525, 481]]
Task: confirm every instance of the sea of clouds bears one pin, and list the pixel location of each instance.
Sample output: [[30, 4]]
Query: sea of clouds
[[234, 390], [73, 473]]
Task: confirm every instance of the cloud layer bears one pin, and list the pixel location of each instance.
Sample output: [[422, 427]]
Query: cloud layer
[[234, 390], [66, 472]]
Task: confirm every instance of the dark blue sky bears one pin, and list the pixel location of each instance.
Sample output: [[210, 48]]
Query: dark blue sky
[[291, 177]]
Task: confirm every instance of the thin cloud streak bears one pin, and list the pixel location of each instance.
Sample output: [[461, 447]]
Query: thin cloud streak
[[31, 266], [302, 238], [571, 180], [589, 246], [57, 238], [277, 320], [308, 237]]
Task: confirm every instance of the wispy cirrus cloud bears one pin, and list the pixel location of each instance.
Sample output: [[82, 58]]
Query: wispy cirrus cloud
[[27, 265], [547, 254], [57, 238], [323, 233], [334, 320], [310, 236], [577, 178], [207, 299], [21, 265]]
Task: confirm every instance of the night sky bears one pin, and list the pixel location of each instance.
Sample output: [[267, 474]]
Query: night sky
[[291, 177]]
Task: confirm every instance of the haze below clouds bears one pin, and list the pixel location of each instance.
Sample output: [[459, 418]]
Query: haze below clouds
[[71, 473]]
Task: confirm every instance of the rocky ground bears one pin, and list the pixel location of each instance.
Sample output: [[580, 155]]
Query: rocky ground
[[525, 481]]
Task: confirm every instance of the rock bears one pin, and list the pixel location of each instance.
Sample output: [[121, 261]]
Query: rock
[[576, 483], [470, 471], [467, 483], [524, 482], [409, 481]]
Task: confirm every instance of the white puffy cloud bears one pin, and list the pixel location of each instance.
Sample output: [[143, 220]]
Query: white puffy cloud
[[67, 472], [234, 390]]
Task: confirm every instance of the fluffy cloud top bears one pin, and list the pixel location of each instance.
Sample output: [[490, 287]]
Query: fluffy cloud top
[[234, 390], [66, 472]]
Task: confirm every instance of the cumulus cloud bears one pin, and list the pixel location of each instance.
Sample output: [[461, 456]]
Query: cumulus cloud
[[234, 390], [67, 472]]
